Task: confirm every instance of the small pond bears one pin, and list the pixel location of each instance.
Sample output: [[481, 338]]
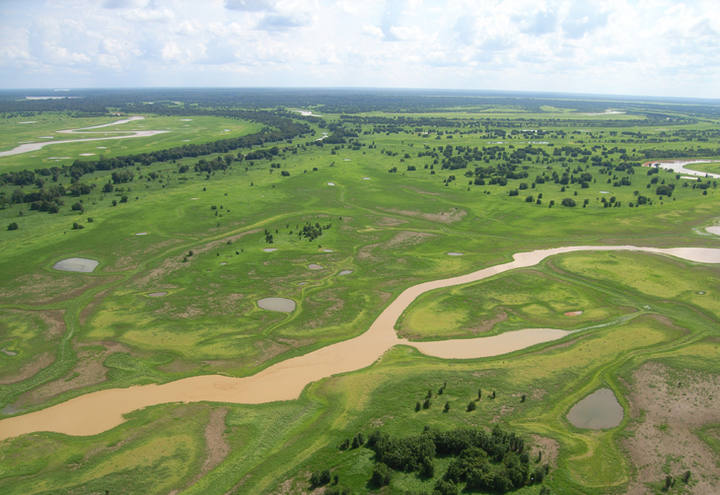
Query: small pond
[[277, 304], [76, 265], [597, 411]]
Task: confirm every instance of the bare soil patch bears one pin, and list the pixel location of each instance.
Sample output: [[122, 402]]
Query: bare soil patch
[[55, 329], [39, 288], [89, 371], [549, 448], [420, 191], [487, 325], [30, 369], [174, 263], [216, 446], [669, 405], [450, 216], [390, 222], [408, 237]]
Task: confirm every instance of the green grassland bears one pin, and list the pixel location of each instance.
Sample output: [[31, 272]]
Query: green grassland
[[181, 299], [180, 131], [713, 168]]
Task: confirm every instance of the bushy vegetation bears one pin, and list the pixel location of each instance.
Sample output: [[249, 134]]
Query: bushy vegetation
[[496, 461]]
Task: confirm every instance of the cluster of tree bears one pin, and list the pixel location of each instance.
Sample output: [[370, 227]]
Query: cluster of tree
[[495, 461], [219, 163], [312, 231]]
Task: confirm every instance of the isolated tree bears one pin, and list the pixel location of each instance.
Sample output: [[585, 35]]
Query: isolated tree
[[381, 475], [12, 226]]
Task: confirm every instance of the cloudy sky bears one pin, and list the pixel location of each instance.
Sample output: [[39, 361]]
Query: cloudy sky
[[644, 47]]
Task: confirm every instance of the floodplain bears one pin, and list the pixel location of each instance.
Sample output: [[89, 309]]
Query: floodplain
[[341, 210]]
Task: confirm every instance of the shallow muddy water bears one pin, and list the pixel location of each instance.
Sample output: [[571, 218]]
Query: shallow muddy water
[[96, 412], [83, 265], [597, 411], [277, 304]]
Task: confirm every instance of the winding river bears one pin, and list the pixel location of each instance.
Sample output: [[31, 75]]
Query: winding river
[[126, 134], [96, 412]]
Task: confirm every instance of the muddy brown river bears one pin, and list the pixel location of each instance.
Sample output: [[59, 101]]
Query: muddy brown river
[[96, 412]]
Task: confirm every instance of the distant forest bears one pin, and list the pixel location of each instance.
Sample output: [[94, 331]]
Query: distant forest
[[337, 100]]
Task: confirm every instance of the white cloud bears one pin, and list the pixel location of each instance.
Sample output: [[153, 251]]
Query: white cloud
[[621, 46]]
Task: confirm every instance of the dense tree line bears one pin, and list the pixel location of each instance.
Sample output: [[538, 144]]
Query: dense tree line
[[286, 129]]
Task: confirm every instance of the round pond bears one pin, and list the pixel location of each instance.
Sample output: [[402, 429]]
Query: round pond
[[83, 265], [277, 304], [597, 411]]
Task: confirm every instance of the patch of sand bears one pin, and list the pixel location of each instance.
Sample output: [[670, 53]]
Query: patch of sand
[[714, 229], [315, 266], [678, 166], [669, 405]]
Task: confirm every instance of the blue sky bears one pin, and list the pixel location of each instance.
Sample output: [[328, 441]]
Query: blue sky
[[644, 47]]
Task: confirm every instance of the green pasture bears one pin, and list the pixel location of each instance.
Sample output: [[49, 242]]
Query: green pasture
[[180, 131], [713, 168], [181, 299]]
